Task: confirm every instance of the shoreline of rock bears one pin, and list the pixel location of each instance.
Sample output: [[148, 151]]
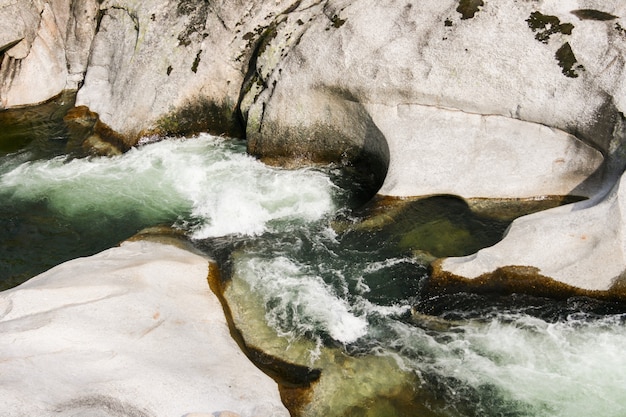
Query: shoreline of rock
[[134, 330], [497, 100]]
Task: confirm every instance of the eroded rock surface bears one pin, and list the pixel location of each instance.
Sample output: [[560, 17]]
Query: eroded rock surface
[[480, 99], [44, 47], [512, 100], [134, 330]]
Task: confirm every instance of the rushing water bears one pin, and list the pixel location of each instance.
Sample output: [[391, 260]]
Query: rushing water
[[291, 238]]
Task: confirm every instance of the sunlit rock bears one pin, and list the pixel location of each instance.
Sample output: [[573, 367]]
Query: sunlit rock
[[475, 104], [476, 99], [173, 66], [579, 246], [442, 151], [134, 330], [44, 47]]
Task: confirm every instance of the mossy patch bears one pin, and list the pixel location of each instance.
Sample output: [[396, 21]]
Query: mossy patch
[[196, 62], [545, 26], [567, 61], [469, 8], [337, 21], [591, 14], [201, 115]]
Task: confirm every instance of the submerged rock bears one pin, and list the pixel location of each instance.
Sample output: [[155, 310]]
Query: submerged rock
[[344, 385], [569, 250], [134, 330]]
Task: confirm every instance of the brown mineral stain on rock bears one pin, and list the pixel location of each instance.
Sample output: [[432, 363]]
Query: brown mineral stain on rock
[[91, 135], [516, 279], [512, 208]]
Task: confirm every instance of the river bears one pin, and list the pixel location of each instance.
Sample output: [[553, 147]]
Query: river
[[323, 283]]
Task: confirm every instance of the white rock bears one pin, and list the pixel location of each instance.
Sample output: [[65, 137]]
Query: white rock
[[581, 245], [53, 40], [443, 151], [150, 60], [134, 330], [456, 98], [473, 107]]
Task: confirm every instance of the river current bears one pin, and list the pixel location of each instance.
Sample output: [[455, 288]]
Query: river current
[[295, 246]]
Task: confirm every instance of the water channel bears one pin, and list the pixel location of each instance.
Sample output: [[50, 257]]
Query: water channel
[[319, 278]]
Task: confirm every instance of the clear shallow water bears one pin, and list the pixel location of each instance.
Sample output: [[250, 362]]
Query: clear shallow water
[[319, 279]]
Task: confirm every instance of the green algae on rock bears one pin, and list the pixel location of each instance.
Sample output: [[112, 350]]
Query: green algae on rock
[[200, 115]]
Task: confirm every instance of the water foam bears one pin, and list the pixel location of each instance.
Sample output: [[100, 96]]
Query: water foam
[[206, 183], [521, 365], [299, 303]]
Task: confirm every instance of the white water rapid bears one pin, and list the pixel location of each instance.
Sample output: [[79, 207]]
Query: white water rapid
[[352, 292]]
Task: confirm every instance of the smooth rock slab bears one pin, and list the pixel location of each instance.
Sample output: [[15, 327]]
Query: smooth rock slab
[[560, 244], [445, 151], [132, 331]]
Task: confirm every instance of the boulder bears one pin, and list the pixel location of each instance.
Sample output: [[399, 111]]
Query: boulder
[[566, 251], [134, 330], [173, 66], [487, 100]]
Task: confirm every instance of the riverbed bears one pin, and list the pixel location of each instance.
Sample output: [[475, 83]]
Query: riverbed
[[323, 282]]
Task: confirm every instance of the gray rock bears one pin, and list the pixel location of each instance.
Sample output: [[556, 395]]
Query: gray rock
[[510, 100], [44, 46], [172, 66], [481, 99]]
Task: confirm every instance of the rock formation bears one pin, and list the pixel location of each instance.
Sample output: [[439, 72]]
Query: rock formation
[[44, 48], [479, 99], [132, 331], [510, 100]]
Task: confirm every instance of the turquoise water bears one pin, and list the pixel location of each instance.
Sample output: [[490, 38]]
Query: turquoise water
[[319, 276]]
